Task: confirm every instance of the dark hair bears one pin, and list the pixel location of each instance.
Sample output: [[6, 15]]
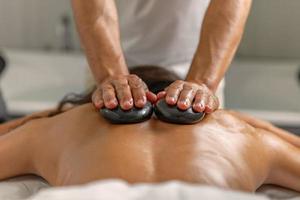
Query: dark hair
[[156, 78]]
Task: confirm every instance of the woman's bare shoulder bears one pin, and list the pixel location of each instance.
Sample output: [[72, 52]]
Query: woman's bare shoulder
[[228, 119]]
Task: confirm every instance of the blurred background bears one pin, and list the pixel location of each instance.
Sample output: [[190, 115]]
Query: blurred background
[[44, 60]]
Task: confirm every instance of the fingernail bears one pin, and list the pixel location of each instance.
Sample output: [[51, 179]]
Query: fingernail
[[172, 99], [201, 104], [186, 102], [113, 102], [197, 106], [96, 101], [99, 104], [140, 102], [129, 102]]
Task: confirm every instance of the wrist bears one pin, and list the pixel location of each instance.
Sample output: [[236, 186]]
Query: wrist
[[105, 72], [204, 72], [110, 77], [206, 80]]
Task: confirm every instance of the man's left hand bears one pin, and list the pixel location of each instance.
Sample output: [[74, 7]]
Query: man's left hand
[[185, 94]]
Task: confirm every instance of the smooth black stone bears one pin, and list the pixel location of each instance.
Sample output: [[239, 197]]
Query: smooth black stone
[[134, 115], [172, 114]]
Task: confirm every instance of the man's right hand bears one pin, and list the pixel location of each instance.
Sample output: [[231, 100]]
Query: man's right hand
[[126, 90]]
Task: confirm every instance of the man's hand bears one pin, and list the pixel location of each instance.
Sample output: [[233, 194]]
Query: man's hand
[[126, 90], [186, 94]]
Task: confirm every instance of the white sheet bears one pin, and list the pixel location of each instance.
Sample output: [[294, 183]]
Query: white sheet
[[119, 190], [34, 188], [21, 187]]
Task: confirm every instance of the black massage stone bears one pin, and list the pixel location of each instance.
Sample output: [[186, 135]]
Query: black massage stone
[[134, 115], [172, 114]]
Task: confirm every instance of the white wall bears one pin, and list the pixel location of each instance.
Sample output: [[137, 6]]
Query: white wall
[[273, 29], [32, 23]]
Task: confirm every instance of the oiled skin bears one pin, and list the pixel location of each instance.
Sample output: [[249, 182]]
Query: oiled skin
[[79, 146]]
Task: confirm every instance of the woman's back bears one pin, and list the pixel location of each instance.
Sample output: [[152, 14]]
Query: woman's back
[[81, 147]]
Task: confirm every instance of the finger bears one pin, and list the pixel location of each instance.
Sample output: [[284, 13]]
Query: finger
[[211, 105], [208, 106], [123, 93], [161, 95], [200, 101], [97, 98], [137, 91], [109, 96], [173, 92], [151, 97], [186, 97], [216, 102]]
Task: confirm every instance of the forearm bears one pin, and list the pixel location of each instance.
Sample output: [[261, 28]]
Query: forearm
[[221, 33], [97, 24]]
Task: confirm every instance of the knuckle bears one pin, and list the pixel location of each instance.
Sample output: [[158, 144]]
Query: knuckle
[[140, 91], [106, 87], [133, 77], [201, 87], [97, 89], [108, 97], [198, 98], [197, 101], [122, 86], [145, 86], [124, 93], [199, 93], [179, 82], [174, 87], [107, 80], [188, 87], [96, 98], [120, 80], [136, 85]]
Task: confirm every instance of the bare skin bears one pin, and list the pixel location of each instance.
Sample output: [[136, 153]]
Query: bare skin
[[98, 27], [226, 149]]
